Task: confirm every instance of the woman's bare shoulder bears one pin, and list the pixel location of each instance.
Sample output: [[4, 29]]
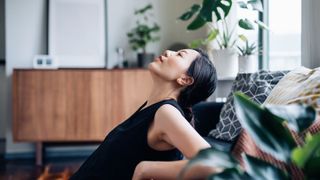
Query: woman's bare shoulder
[[169, 112]]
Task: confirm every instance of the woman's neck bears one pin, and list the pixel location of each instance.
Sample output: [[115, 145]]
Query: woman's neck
[[163, 90]]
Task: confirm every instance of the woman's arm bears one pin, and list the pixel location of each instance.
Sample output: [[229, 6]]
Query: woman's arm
[[174, 129], [166, 170], [158, 169]]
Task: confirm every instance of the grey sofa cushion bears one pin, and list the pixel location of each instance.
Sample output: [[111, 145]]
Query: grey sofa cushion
[[255, 85]]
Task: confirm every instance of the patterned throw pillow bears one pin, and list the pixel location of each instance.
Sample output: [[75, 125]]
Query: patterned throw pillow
[[255, 85]]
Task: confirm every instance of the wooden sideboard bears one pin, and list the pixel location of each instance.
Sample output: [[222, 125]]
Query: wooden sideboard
[[74, 105]]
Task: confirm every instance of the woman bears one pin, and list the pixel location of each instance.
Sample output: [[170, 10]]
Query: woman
[[148, 145]]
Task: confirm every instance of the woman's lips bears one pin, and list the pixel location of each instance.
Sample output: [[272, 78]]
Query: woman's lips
[[159, 59]]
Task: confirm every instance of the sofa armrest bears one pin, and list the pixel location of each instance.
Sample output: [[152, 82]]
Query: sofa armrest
[[206, 116]]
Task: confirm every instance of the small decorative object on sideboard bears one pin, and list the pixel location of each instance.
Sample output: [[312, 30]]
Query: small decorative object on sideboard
[[45, 62], [121, 60], [141, 35]]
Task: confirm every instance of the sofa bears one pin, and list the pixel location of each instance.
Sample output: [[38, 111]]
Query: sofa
[[218, 123]]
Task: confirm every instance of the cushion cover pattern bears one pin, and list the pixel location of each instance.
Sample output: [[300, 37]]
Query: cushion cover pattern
[[301, 85], [255, 85]]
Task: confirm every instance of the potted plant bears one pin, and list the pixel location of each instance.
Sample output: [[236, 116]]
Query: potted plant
[[143, 34], [225, 56], [214, 14], [271, 128], [248, 63]]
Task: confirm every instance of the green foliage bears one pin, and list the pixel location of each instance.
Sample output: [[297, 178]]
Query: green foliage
[[230, 173], [265, 128], [247, 49], [310, 150], [258, 168], [219, 9], [246, 24], [226, 40], [211, 157], [143, 34], [268, 127], [198, 42], [298, 116], [204, 12]]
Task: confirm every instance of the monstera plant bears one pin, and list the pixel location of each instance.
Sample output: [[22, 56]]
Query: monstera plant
[[215, 11], [222, 36], [269, 127]]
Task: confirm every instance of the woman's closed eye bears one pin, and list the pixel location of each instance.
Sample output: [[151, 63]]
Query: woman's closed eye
[[181, 53]]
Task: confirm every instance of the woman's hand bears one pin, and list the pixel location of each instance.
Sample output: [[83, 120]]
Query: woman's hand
[[158, 169]]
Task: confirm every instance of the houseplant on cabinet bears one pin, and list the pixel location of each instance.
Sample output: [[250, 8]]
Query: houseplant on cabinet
[[214, 14], [248, 63], [143, 34]]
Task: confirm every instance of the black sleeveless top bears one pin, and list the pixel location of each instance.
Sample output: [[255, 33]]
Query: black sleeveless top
[[125, 146]]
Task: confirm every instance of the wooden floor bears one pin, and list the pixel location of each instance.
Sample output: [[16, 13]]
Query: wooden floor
[[27, 170]]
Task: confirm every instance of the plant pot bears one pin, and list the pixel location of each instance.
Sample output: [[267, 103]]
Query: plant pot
[[248, 64], [144, 59], [226, 62]]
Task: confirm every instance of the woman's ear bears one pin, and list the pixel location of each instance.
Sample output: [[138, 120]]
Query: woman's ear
[[185, 80]]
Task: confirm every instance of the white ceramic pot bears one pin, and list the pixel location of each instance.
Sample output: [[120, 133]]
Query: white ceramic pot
[[248, 64], [226, 62]]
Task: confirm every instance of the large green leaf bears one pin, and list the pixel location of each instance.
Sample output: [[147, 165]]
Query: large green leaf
[[302, 155], [197, 23], [259, 169], [210, 157], [231, 173], [298, 116], [265, 128], [256, 5], [246, 24], [187, 15], [312, 168], [208, 7]]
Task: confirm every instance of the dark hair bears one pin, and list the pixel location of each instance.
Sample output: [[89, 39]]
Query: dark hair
[[204, 74]]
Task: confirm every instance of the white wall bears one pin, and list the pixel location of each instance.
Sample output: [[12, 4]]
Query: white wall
[[310, 38], [2, 32], [2, 73], [121, 20], [2, 102], [26, 37]]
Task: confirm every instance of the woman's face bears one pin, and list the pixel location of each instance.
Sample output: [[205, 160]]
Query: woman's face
[[170, 65]]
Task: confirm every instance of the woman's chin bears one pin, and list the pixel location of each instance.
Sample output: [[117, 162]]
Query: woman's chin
[[151, 66]]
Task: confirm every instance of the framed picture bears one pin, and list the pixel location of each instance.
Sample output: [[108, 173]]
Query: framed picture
[[77, 33]]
